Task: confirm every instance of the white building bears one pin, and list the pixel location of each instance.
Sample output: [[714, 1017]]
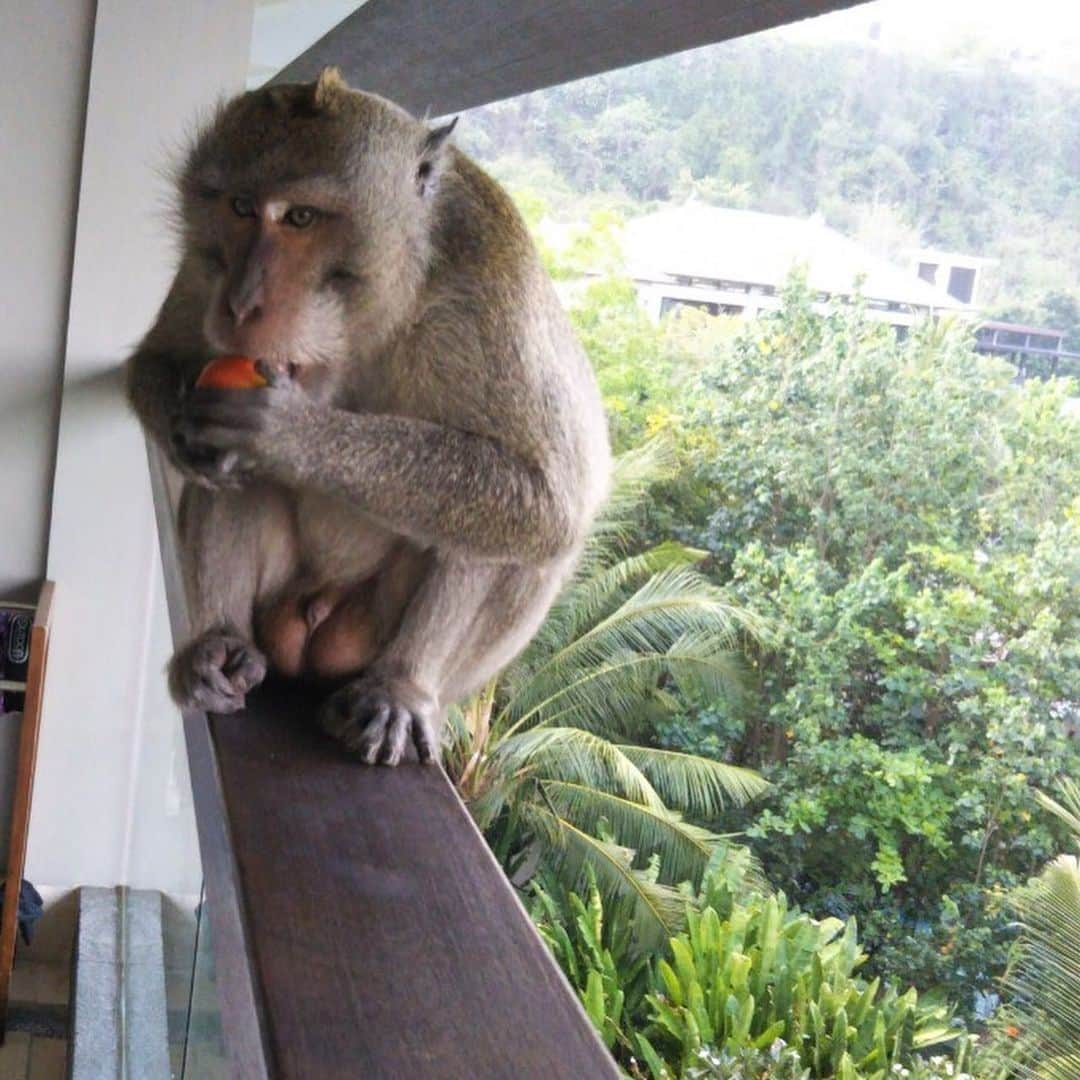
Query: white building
[[959, 275], [735, 262]]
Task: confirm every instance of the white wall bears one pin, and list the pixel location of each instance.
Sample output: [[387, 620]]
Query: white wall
[[111, 801], [44, 55]]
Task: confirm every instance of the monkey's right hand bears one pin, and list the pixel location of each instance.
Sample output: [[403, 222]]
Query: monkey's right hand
[[204, 464], [215, 671]]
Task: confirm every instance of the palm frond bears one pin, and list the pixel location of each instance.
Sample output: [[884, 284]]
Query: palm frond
[[1043, 1016], [1046, 979], [695, 785], [1068, 810], [606, 695], [632, 474], [576, 756], [592, 596], [675, 600], [675, 612], [655, 912], [684, 849]]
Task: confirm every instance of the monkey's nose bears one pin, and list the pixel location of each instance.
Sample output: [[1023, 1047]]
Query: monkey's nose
[[245, 306]]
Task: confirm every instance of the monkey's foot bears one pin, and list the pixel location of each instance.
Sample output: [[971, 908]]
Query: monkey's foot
[[377, 718], [215, 671]]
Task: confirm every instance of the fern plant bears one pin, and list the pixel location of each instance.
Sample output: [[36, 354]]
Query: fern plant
[[553, 757]]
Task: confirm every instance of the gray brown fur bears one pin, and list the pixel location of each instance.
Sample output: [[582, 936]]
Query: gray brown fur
[[443, 433]]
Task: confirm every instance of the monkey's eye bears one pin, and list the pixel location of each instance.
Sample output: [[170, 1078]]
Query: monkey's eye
[[300, 217], [243, 206]]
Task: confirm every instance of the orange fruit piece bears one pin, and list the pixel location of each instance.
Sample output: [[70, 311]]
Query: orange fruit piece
[[230, 373]]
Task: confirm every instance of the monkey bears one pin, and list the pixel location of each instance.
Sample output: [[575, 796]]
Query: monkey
[[400, 504]]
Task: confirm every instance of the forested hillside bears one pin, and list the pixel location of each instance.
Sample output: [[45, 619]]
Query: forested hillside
[[895, 150]]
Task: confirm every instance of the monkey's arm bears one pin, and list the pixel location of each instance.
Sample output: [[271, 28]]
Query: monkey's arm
[[438, 486], [435, 485]]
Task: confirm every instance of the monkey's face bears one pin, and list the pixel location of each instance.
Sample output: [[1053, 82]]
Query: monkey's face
[[310, 209], [284, 276]]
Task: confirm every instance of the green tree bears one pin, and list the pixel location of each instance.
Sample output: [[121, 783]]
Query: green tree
[[906, 519]]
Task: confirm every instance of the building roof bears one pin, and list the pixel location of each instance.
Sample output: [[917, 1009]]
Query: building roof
[[949, 258], [745, 246], [1020, 328]]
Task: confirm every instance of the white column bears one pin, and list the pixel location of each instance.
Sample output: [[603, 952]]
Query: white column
[[45, 56], [112, 800]]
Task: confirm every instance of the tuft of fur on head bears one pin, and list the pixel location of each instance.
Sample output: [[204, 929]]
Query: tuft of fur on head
[[327, 90]]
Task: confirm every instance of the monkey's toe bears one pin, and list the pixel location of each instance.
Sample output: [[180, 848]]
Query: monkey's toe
[[377, 728]]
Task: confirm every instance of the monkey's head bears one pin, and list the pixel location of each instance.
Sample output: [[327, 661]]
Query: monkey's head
[[310, 209]]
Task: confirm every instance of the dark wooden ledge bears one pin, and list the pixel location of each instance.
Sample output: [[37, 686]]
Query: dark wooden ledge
[[383, 938]]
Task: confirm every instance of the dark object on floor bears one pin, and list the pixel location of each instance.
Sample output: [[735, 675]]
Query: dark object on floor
[[31, 907], [35, 1018]]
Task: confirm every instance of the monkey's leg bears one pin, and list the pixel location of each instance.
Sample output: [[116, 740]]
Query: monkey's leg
[[236, 547], [464, 621]]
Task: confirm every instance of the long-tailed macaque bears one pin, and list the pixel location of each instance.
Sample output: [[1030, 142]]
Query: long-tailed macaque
[[399, 505]]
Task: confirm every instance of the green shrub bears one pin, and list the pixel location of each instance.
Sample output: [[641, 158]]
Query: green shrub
[[764, 972], [598, 957], [752, 989]]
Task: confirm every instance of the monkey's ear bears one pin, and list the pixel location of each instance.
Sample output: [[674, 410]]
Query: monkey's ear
[[431, 157], [326, 91]]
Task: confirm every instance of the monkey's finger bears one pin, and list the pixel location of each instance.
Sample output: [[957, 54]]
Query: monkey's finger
[[245, 668], [216, 681], [200, 682], [423, 740], [206, 446], [397, 736], [209, 414], [371, 738], [212, 702], [274, 376]]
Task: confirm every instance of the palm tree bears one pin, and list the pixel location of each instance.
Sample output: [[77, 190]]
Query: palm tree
[[553, 756], [1043, 1020]]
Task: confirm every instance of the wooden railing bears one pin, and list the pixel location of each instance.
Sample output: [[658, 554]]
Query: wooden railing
[[360, 925], [1042, 363]]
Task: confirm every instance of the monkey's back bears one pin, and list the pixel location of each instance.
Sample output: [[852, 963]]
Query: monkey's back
[[491, 301]]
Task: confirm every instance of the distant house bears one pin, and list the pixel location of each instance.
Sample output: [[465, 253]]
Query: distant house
[[957, 274], [735, 262]]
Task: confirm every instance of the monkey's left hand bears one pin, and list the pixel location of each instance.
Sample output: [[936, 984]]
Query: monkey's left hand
[[242, 426]]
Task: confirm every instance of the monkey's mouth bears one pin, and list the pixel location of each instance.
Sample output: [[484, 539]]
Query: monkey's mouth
[[282, 367]]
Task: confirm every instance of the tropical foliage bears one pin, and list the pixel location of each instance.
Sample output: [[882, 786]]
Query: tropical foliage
[[904, 519], [557, 757], [1039, 1032], [907, 521], [857, 576], [751, 988]]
